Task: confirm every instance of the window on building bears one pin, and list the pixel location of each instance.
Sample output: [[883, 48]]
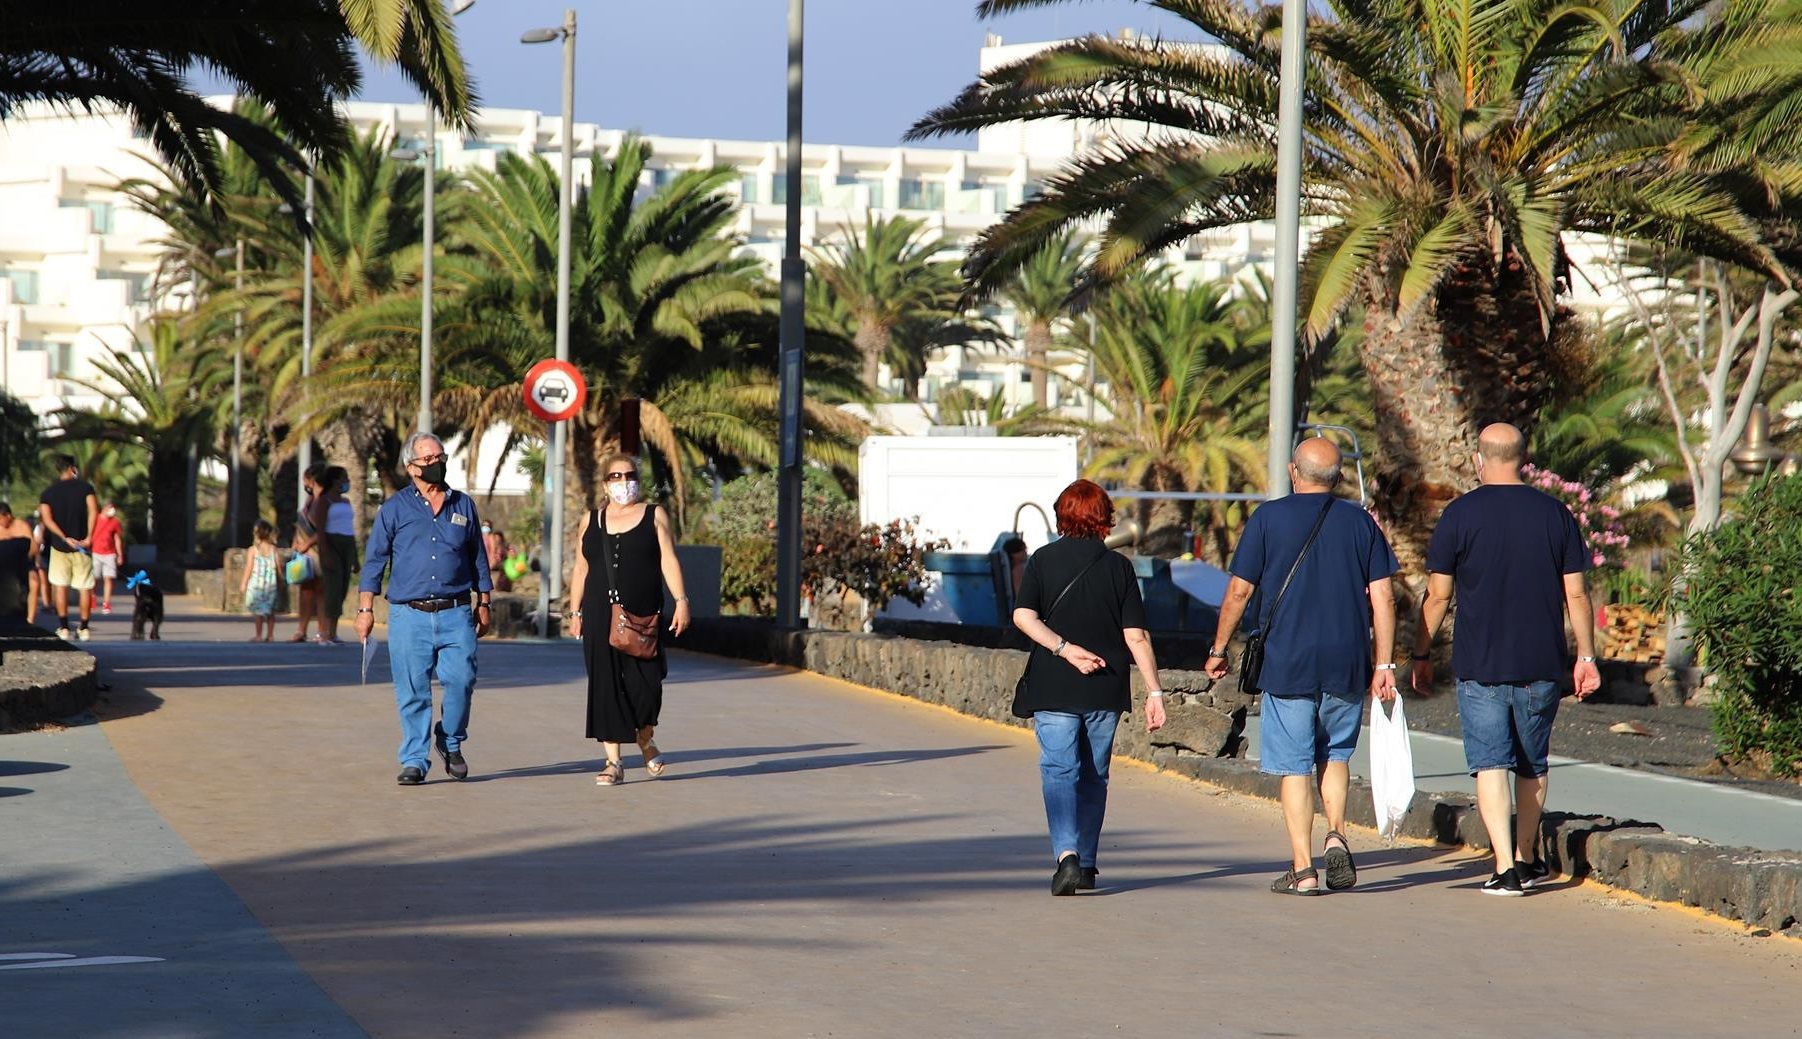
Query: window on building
[[878, 197], [103, 212], [747, 189], [61, 355], [137, 284], [25, 285], [810, 189], [920, 193]]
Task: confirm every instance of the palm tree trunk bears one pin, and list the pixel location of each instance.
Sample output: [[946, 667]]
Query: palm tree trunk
[[170, 502], [872, 343], [1164, 519], [1441, 373], [1038, 353], [247, 474]]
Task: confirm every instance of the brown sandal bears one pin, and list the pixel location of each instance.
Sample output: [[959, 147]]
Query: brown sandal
[[612, 774], [1290, 883]]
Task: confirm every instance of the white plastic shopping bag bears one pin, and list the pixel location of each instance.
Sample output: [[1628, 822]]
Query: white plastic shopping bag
[[1391, 766]]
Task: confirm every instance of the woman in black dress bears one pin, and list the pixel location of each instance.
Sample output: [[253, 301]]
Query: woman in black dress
[[628, 555]]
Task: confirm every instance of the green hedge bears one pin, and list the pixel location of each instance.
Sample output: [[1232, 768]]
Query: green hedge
[[1740, 598]]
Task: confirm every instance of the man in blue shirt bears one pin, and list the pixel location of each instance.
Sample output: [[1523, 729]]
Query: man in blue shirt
[[429, 539], [1317, 650], [1515, 558]]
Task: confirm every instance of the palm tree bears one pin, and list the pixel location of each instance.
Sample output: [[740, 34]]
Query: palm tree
[[1040, 295], [164, 399], [1449, 146], [901, 302], [294, 56], [1182, 396], [663, 308]]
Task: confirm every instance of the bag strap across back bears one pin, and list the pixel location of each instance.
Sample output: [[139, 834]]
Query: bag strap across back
[[1319, 521], [1060, 596]]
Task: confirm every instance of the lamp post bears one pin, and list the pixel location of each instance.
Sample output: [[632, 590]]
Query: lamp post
[[550, 586], [793, 334], [234, 470], [1283, 293], [429, 151], [304, 455]]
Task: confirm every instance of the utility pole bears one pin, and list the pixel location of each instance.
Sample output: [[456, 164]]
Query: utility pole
[[793, 332], [1284, 295]]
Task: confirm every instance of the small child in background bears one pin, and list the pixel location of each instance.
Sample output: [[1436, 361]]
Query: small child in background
[[258, 585]]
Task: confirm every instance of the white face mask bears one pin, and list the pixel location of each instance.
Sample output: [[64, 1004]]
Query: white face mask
[[486, 529], [112, 511], [625, 492]]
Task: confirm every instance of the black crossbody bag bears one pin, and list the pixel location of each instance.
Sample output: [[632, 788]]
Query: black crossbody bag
[[1020, 686], [1251, 661]]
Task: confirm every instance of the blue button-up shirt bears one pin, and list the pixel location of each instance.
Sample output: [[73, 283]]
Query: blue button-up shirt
[[432, 557]]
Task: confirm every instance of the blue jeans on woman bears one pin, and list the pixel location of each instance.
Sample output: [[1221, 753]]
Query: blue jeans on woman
[[1073, 757], [420, 646]]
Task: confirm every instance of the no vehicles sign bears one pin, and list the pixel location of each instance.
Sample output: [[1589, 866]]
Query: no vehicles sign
[[555, 390]]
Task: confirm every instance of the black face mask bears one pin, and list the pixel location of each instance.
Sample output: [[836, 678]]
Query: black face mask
[[432, 474]]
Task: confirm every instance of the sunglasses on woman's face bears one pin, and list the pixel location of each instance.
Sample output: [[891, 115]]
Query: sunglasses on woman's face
[[616, 477]]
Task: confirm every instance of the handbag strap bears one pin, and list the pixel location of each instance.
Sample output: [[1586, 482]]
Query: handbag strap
[[1072, 584], [1319, 521]]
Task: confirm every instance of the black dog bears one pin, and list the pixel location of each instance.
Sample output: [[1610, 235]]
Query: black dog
[[149, 608]]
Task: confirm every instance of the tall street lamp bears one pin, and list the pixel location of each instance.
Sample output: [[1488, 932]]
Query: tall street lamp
[[550, 586], [235, 471], [1283, 293], [429, 150], [304, 457], [792, 336]]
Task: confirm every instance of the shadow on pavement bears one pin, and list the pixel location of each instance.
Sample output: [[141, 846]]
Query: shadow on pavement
[[29, 768], [14, 791], [636, 761]]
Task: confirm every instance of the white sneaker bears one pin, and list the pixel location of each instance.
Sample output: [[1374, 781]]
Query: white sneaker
[[63, 633], [82, 634]]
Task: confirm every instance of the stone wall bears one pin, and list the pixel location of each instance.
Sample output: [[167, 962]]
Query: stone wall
[[1203, 741], [42, 678]]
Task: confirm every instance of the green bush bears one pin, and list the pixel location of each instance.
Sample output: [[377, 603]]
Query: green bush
[[1740, 598], [878, 563]]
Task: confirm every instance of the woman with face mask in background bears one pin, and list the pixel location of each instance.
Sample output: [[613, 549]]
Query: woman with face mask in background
[[337, 552], [628, 555]]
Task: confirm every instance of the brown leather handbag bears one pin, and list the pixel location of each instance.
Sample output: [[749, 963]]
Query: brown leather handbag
[[633, 634]]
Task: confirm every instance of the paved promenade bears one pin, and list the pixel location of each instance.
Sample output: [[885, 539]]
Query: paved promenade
[[821, 861]]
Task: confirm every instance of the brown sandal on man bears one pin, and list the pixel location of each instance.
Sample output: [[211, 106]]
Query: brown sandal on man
[[1290, 883]]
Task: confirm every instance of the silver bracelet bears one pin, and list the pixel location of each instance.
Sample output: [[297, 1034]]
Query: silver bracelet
[[577, 614], [1059, 651], [1154, 694]]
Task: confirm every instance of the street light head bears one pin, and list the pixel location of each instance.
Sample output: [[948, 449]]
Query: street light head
[[462, 5], [404, 154], [226, 253], [540, 35]]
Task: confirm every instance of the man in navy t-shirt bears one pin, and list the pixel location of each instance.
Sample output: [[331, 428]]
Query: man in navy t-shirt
[[1317, 649], [1515, 558]]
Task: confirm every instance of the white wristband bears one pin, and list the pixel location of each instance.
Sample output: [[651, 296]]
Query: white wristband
[[1385, 667], [1156, 694]]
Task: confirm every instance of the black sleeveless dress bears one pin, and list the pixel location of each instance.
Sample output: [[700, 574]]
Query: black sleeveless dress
[[624, 693]]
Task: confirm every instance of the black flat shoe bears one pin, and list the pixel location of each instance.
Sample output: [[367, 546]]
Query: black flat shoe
[[1087, 883], [453, 759], [1068, 876], [410, 776]]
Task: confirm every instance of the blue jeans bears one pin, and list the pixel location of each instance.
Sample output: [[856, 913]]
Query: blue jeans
[[1508, 726], [1073, 757], [419, 646]]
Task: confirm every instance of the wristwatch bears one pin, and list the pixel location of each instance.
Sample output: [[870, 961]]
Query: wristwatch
[[1059, 651], [1586, 660], [1221, 653], [1385, 667], [365, 609]]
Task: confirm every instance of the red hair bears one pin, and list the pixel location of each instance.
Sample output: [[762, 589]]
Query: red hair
[[1084, 511]]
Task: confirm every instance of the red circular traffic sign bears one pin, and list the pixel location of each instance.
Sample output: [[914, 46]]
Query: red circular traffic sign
[[555, 390]]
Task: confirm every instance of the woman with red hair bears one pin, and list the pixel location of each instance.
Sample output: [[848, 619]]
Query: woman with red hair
[[1079, 604]]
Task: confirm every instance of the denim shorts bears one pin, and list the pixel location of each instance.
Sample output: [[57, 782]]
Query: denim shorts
[[1298, 733], [1508, 726]]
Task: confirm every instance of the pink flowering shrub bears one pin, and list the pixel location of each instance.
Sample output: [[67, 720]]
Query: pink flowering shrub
[[1601, 525]]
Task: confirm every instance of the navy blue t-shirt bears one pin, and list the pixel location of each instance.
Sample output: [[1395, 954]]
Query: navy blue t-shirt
[[1507, 548], [1319, 641]]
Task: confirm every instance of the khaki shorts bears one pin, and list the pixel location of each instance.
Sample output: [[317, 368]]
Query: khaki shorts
[[106, 565], [71, 570]]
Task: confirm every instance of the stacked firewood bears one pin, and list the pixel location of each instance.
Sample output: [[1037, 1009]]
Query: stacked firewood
[[1633, 633]]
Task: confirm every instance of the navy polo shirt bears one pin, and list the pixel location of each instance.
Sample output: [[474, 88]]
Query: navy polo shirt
[[1507, 548], [432, 557], [1319, 641]]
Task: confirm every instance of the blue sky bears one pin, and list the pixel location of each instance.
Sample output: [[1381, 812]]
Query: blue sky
[[716, 68]]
